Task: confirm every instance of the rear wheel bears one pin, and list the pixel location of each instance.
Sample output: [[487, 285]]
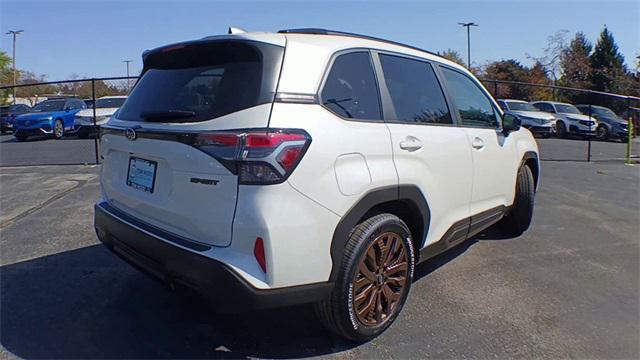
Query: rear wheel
[[520, 215], [58, 129], [374, 279]]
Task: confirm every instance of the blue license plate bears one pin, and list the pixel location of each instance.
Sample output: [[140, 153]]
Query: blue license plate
[[142, 174]]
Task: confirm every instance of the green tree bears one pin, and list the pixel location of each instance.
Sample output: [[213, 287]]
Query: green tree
[[607, 63], [508, 70], [453, 55], [576, 68], [5, 76]]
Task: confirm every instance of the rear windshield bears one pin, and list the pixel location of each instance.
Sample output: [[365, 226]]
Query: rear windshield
[[204, 80]]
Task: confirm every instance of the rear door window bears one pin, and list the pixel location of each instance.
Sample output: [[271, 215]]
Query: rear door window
[[350, 90], [415, 92], [204, 80]]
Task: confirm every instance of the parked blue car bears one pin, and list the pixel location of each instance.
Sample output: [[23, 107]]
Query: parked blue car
[[50, 118], [8, 114]]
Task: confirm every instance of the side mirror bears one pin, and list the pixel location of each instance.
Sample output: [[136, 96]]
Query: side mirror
[[510, 123], [68, 108]]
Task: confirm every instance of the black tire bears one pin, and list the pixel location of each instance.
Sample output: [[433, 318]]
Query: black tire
[[602, 133], [58, 129], [518, 220], [83, 134], [20, 138], [339, 312], [561, 130]]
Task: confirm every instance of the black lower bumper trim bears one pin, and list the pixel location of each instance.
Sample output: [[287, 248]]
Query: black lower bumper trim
[[173, 265], [29, 132]]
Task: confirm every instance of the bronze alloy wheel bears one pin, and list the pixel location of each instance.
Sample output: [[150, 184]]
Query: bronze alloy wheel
[[380, 280]]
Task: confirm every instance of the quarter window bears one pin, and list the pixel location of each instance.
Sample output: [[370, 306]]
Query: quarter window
[[474, 106], [414, 90], [350, 90]]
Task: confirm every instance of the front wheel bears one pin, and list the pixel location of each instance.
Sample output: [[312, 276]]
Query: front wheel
[[373, 282], [561, 130], [602, 133], [520, 215], [58, 129]]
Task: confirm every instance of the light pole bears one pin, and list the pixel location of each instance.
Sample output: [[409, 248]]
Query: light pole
[[14, 33], [128, 83], [468, 26]]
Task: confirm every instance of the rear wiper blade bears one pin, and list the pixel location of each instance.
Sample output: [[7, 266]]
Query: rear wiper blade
[[166, 115]]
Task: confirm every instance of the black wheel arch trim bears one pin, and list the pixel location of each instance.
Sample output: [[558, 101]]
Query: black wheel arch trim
[[532, 155], [410, 194]]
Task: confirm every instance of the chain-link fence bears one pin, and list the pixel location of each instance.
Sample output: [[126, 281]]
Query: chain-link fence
[[596, 129], [595, 126], [55, 123]]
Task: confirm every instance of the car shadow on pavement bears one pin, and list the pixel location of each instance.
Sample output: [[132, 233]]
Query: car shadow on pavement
[[87, 303]]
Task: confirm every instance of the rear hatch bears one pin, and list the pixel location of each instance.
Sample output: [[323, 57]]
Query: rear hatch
[[152, 170]]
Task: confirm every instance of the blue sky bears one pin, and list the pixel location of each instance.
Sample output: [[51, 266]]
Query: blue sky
[[91, 38]]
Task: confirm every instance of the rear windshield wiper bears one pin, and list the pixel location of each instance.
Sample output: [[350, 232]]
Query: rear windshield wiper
[[166, 115]]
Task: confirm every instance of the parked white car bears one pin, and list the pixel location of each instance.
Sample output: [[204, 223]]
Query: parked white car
[[538, 122], [570, 119], [320, 174], [105, 107]]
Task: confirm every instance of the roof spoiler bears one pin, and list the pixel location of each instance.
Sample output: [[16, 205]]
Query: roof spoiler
[[236, 30]]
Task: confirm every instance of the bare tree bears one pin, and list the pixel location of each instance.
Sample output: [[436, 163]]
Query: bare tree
[[552, 58]]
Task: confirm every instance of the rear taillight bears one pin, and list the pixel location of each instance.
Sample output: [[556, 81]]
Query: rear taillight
[[256, 156]]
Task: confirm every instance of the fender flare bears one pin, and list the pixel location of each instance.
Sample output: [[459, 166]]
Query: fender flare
[[532, 155], [407, 193]]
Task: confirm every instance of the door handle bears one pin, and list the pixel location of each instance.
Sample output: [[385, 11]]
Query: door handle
[[477, 143], [411, 144]]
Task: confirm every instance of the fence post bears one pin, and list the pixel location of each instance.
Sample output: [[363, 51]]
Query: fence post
[[630, 130], [95, 139], [589, 138]]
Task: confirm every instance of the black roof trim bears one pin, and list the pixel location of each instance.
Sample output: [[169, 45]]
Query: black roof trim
[[318, 31]]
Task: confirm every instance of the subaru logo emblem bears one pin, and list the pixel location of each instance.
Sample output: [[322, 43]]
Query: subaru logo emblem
[[130, 134]]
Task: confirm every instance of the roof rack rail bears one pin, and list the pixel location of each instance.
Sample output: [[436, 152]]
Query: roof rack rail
[[319, 31]]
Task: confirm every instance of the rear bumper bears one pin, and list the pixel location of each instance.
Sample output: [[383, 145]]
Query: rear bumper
[[172, 264]]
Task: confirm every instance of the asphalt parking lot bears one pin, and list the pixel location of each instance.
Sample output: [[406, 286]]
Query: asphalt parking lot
[[567, 288], [42, 151]]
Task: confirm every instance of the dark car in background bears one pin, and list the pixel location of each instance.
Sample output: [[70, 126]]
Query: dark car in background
[[8, 114], [50, 118], [610, 125], [634, 114]]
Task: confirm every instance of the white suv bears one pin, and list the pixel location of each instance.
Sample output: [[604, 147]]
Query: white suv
[[570, 119], [307, 166]]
